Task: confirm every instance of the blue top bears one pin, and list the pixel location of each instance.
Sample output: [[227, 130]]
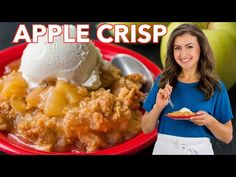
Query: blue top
[[187, 95]]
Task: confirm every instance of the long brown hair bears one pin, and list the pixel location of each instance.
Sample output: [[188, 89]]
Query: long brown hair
[[206, 65]]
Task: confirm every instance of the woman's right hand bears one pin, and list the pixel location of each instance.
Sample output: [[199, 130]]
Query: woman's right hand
[[149, 120], [163, 96]]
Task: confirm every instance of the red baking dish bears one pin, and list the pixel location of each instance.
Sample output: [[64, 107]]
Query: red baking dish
[[136, 144]]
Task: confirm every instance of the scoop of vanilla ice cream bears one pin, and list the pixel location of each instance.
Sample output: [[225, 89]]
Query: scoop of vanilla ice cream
[[74, 62], [185, 110]]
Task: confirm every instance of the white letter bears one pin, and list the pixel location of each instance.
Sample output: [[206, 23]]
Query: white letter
[[133, 33], [157, 33], [53, 30], [38, 30], [144, 33], [19, 35], [120, 32], [82, 36], [100, 30], [67, 31]]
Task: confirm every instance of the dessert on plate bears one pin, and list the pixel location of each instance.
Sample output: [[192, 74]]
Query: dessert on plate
[[64, 97], [182, 113]]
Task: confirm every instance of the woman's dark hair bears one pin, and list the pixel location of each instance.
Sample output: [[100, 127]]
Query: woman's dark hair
[[209, 80]]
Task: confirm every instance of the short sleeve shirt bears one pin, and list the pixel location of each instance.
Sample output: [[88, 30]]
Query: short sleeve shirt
[[187, 95]]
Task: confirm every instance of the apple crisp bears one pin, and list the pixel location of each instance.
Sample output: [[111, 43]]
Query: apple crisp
[[60, 117], [184, 112]]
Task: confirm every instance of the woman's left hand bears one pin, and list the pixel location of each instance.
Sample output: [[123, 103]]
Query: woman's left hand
[[202, 118]]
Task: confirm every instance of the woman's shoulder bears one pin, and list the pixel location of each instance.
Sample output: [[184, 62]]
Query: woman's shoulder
[[157, 79], [221, 87]]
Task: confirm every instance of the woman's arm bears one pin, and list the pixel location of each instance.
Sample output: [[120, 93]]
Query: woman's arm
[[223, 132], [149, 119]]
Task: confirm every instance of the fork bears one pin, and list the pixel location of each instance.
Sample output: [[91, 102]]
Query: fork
[[169, 101], [171, 104]]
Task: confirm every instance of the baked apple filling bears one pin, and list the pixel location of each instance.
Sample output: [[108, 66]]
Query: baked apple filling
[[59, 116]]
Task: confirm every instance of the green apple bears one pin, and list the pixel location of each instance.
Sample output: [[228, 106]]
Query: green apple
[[137, 24], [222, 39]]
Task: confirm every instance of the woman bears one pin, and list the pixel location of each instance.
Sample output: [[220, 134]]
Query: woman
[[189, 81]]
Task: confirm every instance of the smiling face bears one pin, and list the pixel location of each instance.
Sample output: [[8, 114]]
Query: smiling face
[[186, 51]]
